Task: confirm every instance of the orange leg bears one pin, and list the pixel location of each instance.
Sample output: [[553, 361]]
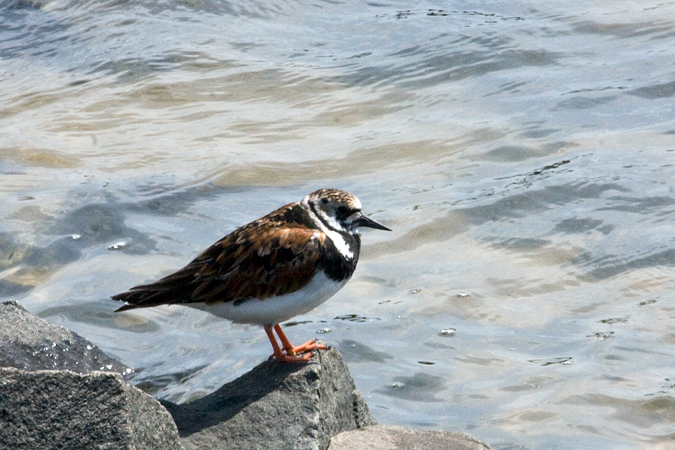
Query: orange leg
[[278, 354], [290, 353], [291, 349]]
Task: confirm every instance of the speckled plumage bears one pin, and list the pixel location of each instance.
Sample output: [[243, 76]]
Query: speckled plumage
[[272, 259]]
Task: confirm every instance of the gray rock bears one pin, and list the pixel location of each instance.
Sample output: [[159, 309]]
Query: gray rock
[[28, 342], [49, 409], [276, 406], [75, 407], [388, 437]]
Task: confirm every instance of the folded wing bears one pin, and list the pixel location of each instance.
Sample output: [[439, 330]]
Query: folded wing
[[251, 262]]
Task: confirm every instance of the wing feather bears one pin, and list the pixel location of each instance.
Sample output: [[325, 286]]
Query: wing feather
[[260, 260]]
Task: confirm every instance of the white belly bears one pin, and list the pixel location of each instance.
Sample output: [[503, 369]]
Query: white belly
[[274, 310]]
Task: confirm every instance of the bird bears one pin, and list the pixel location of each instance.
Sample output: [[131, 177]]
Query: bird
[[270, 270]]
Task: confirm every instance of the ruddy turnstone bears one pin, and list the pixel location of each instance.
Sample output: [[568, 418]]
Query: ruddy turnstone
[[274, 268]]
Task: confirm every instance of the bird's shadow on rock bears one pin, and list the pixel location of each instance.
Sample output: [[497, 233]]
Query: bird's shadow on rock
[[231, 398]]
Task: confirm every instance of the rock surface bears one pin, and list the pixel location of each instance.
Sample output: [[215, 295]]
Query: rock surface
[[30, 343], [74, 407], [389, 437], [49, 409], [276, 406]]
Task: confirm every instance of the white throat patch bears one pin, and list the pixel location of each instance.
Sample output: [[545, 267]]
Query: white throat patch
[[339, 242]]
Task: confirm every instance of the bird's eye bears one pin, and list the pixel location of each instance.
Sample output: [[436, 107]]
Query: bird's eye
[[343, 210], [324, 200]]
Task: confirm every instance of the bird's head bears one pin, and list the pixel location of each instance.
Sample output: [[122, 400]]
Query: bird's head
[[339, 210]]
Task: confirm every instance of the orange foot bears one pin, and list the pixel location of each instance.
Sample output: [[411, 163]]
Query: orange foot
[[290, 353]]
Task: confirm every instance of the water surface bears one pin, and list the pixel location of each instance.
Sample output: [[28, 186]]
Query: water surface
[[521, 152]]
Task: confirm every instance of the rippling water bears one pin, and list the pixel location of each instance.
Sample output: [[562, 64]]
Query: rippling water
[[522, 152]]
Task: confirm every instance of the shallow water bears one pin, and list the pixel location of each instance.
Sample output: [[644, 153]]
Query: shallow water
[[522, 152]]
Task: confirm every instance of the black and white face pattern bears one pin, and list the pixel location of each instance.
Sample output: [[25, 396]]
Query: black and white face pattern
[[335, 214], [337, 210], [338, 214]]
